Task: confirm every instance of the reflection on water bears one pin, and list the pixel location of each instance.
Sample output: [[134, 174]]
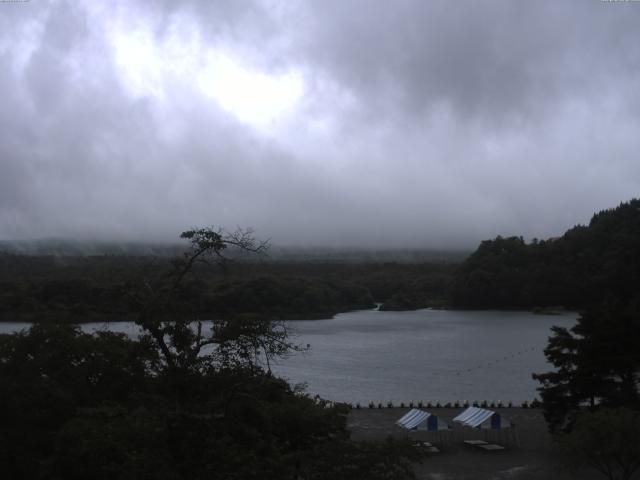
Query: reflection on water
[[428, 355]]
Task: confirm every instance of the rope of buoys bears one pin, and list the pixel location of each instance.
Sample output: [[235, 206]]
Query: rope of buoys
[[492, 362]]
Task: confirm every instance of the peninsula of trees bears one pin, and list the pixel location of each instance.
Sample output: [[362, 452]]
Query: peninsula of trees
[[583, 267]]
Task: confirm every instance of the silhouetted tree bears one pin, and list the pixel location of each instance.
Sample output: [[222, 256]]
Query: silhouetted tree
[[597, 363], [177, 330]]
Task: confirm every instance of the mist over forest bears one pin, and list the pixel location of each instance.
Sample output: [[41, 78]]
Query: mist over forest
[[80, 248]]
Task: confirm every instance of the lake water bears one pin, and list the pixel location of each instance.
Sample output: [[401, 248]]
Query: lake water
[[428, 355]]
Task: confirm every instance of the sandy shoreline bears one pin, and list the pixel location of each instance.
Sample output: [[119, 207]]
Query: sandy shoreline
[[533, 457]]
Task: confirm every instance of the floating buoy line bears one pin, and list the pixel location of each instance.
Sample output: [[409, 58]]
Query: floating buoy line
[[496, 361]]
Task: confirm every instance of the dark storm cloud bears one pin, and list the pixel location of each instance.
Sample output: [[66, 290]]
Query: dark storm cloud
[[419, 123], [483, 59]]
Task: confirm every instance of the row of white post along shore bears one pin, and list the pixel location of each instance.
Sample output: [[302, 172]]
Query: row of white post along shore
[[474, 422]]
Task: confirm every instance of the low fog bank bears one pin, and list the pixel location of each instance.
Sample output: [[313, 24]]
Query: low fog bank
[[289, 254]]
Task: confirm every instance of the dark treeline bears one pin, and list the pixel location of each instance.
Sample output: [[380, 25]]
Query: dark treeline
[[591, 396], [585, 266], [96, 288]]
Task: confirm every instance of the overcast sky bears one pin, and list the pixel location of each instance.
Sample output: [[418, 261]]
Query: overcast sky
[[338, 123]]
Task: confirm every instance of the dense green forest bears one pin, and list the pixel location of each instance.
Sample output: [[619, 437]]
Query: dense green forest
[[585, 266], [98, 287]]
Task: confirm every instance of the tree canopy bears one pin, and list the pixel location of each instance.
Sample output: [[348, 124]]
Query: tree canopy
[[607, 440], [179, 402], [597, 362], [585, 266]]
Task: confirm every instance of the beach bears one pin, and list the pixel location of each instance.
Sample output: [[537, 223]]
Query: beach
[[530, 454]]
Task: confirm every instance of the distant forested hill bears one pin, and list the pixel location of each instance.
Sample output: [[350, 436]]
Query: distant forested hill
[[98, 287], [585, 266]]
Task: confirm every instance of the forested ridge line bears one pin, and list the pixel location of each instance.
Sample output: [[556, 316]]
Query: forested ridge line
[[583, 267], [96, 288]]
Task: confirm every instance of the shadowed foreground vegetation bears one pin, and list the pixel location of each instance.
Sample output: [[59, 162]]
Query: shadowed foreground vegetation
[[177, 403], [77, 406]]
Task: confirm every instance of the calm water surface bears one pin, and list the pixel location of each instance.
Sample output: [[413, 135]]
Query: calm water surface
[[428, 355]]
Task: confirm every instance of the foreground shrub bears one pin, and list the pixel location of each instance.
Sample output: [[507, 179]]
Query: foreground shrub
[[607, 440], [78, 406]]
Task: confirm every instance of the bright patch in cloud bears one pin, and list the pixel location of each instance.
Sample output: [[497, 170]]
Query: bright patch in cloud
[[153, 67], [136, 55], [253, 97]]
